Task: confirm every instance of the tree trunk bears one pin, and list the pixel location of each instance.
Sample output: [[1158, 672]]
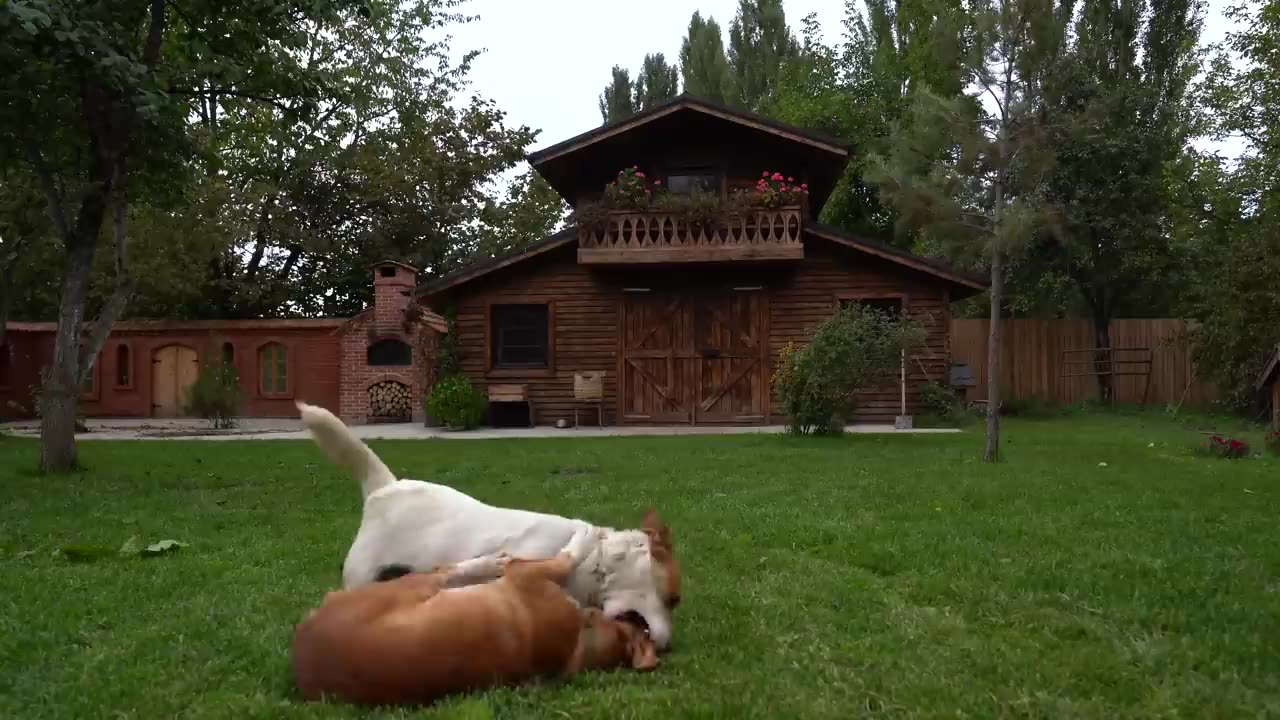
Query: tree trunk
[[992, 451], [60, 395], [1104, 360]]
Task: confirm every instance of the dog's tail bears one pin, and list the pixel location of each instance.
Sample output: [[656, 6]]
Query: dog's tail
[[345, 449]]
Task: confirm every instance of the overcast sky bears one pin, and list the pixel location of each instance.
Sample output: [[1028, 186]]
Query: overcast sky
[[546, 61]]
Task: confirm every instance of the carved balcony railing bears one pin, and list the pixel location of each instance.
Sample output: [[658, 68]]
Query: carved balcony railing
[[655, 236]]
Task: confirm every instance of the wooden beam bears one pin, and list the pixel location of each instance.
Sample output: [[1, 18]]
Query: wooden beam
[[651, 256]]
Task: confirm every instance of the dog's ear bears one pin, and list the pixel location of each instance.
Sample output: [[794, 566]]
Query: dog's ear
[[644, 654], [657, 530]]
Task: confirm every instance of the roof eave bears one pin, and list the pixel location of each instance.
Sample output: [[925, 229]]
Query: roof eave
[[968, 283]]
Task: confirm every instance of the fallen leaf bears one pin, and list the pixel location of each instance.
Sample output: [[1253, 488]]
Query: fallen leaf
[[162, 547], [1102, 464], [131, 546], [1250, 491]]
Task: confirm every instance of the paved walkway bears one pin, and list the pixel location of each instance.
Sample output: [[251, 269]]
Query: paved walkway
[[291, 429]]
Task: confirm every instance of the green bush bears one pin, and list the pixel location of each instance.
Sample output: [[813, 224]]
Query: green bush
[[855, 348], [215, 395], [456, 403]]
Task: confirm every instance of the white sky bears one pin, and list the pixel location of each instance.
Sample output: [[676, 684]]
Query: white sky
[[546, 61]]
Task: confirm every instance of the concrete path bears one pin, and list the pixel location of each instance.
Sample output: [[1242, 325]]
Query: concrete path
[[291, 429]]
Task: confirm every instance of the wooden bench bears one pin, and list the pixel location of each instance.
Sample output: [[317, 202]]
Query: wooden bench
[[512, 394]]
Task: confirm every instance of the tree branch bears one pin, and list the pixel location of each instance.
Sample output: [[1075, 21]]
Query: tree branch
[[115, 305], [53, 194], [155, 34]]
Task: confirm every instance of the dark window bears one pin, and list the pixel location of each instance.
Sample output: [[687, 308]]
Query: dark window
[[519, 336], [389, 352], [387, 271], [123, 366], [887, 306], [228, 354], [274, 362], [688, 182]]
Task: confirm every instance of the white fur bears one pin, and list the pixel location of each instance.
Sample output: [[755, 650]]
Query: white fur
[[425, 525]]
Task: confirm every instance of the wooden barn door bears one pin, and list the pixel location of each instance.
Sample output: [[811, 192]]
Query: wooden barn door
[[173, 371], [731, 344], [656, 368]]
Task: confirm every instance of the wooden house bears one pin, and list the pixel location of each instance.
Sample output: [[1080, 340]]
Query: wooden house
[[686, 310]]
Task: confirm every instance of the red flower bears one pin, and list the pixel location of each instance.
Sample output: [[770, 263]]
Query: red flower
[[776, 176], [639, 174]]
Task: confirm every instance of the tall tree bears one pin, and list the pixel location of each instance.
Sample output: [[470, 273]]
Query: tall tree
[[618, 99], [96, 102], [704, 67], [1232, 213], [1117, 113], [960, 172], [530, 211], [657, 82], [759, 44]]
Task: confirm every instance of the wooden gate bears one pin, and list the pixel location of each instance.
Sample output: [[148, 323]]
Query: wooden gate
[[173, 371], [694, 357], [733, 362], [657, 365]]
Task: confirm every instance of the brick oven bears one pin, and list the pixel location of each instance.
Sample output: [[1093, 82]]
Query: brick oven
[[385, 351]]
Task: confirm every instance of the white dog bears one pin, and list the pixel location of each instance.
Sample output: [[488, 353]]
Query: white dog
[[415, 526]]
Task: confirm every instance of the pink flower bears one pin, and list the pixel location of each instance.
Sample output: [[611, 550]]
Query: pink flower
[[657, 182], [776, 176], [765, 174], [804, 186], [791, 179], [639, 174]]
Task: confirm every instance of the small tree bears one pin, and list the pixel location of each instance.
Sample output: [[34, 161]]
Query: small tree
[[855, 348], [215, 395]]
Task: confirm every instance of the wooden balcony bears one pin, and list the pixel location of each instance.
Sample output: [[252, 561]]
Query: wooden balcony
[[653, 236]]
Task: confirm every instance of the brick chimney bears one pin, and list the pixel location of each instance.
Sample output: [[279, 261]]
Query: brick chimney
[[393, 285]]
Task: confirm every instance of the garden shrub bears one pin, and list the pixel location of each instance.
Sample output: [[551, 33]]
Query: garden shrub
[[456, 403], [215, 395], [858, 346]]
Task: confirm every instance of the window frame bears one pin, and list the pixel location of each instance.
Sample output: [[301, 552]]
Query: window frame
[[711, 171], [492, 369], [130, 367], [290, 380], [95, 381], [901, 297]]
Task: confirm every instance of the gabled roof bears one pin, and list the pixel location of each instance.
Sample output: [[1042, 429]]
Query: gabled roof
[[967, 283], [585, 163], [484, 267], [695, 104], [1269, 370]]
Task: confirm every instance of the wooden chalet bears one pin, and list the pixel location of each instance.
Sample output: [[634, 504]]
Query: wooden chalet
[[686, 319]]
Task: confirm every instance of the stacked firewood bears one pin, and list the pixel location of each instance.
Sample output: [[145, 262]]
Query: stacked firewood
[[389, 399]]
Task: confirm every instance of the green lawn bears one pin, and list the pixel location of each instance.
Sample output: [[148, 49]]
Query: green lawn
[[856, 576]]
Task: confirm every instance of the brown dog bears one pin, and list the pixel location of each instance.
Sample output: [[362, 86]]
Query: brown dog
[[422, 636]]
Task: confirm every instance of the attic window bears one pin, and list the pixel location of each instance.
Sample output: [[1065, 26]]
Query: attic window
[[688, 182], [387, 271]]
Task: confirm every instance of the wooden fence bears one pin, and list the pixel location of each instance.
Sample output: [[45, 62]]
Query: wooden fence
[[1032, 354]]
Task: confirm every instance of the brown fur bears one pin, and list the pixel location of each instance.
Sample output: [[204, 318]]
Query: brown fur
[[413, 640], [666, 568]]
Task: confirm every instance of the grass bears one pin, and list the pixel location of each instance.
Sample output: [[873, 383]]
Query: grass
[[877, 576]]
